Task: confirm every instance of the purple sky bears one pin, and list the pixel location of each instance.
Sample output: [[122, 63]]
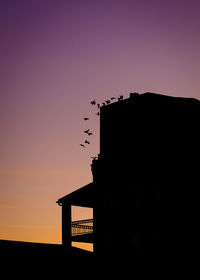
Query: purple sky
[[55, 57]]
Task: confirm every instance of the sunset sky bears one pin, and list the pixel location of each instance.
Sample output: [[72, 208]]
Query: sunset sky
[[55, 57]]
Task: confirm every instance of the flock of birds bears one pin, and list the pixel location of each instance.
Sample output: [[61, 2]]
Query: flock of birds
[[94, 103]]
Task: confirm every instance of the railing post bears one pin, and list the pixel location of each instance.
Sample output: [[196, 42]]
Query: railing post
[[66, 224]]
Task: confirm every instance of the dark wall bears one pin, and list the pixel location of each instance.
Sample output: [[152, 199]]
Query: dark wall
[[147, 176], [152, 136]]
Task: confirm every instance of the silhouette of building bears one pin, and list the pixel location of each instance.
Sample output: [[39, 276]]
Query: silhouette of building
[[145, 179]]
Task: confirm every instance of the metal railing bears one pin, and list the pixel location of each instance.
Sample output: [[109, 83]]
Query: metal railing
[[82, 227]]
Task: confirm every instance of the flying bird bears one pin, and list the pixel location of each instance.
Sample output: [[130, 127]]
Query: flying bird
[[93, 102], [82, 145], [90, 133], [86, 131], [86, 119], [87, 142]]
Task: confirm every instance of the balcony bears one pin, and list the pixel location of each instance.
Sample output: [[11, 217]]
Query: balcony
[[82, 230]]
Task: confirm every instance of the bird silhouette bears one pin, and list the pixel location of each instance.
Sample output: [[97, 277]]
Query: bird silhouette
[[87, 142], [90, 133], [86, 119], [86, 131], [93, 102], [120, 97], [82, 145]]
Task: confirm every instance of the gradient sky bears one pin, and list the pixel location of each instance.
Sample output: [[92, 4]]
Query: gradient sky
[[55, 57]]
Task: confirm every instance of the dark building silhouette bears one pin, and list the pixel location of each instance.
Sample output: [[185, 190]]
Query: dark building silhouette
[[145, 180]]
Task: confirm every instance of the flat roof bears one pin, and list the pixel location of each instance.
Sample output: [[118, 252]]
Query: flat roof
[[150, 96]]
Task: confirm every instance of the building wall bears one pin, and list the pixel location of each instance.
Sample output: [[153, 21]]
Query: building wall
[[148, 152]]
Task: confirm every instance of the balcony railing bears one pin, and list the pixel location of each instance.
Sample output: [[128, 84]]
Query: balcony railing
[[82, 227]]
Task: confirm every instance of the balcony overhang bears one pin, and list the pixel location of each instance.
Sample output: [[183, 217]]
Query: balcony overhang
[[81, 197]]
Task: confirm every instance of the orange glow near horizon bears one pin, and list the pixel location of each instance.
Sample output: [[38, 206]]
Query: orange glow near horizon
[[84, 246]]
